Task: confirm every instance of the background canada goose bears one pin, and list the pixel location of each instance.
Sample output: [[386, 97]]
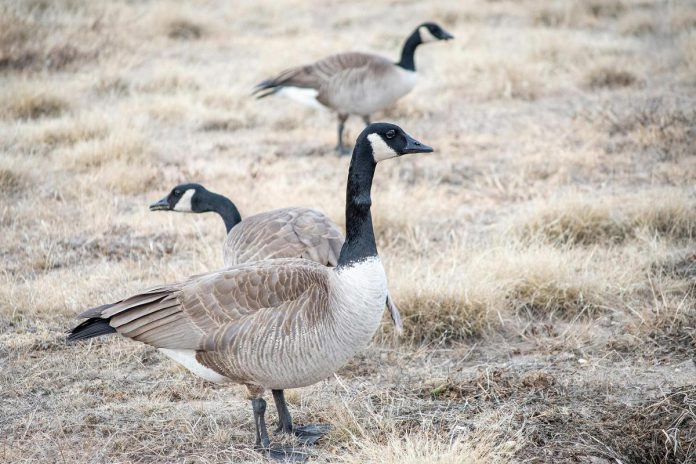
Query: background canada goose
[[275, 324], [353, 83], [281, 233]]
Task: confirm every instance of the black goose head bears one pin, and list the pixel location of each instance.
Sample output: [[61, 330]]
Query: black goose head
[[386, 140], [430, 32], [186, 198]]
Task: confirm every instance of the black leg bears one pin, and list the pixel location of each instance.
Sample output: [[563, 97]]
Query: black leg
[[284, 417], [366, 119], [308, 434], [259, 406], [263, 443], [341, 124]]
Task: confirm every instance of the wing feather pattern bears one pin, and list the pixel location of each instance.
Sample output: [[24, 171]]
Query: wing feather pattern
[[284, 233], [230, 317], [326, 75]]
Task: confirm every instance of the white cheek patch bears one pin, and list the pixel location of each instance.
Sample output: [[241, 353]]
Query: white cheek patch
[[426, 35], [184, 203], [380, 149]]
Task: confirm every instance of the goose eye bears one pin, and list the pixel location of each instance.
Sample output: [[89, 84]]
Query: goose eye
[[390, 134], [177, 192]]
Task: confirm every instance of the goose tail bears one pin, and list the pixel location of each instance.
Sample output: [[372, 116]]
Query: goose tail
[[93, 327], [266, 88]]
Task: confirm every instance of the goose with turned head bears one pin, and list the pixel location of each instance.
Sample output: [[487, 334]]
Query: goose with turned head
[[275, 324], [353, 83], [281, 233]]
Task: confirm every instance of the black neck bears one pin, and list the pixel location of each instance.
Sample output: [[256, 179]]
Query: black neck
[[407, 53], [360, 237], [224, 207]]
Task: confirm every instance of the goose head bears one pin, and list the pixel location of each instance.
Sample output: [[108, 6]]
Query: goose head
[[186, 198], [430, 32], [386, 140]]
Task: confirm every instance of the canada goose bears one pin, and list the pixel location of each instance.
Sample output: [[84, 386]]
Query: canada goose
[[281, 233], [275, 324], [353, 83]]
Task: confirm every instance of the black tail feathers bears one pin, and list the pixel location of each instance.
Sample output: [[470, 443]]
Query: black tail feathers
[[93, 327], [266, 88]]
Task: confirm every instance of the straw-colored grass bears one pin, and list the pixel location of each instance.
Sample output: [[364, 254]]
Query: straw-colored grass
[[542, 257]]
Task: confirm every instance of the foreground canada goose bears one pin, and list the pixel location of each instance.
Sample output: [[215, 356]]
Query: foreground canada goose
[[276, 324], [281, 233], [353, 83]]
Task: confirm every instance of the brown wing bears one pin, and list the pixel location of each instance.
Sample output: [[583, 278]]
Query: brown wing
[[274, 338], [185, 315], [284, 233], [320, 74]]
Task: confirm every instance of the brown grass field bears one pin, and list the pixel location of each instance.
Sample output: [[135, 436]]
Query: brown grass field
[[544, 257]]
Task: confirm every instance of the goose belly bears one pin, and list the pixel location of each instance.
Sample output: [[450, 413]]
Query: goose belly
[[187, 358], [371, 95], [304, 96]]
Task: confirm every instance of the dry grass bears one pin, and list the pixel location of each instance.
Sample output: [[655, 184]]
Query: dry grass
[[32, 103], [10, 181], [415, 449], [609, 78], [49, 36], [542, 257], [583, 219], [124, 145], [659, 127], [639, 24], [183, 29]]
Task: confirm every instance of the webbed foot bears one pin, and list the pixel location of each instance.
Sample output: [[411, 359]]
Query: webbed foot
[[285, 454], [310, 434]]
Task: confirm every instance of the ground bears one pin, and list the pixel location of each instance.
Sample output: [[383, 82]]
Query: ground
[[543, 256]]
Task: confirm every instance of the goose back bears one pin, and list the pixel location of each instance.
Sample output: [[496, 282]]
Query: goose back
[[284, 233]]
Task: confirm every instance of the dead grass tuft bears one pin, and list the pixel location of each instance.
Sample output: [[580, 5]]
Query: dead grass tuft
[[511, 82], [112, 85], [542, 297], [688, 50], [548, 15], [609, 78], [33, 39], [584, 220], [11, 181], [184, 29], [15, 34], [683, 18], [659, 431], [576, 221], [664, 128], [129, 178], [231, 124], [167, 81], [126, 146], [432, 316], [638, 24], [32, 103], [682, 267], [117, 244], [422, 447], [489, 385], [574, 14], [670, 337], [604, 8]]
